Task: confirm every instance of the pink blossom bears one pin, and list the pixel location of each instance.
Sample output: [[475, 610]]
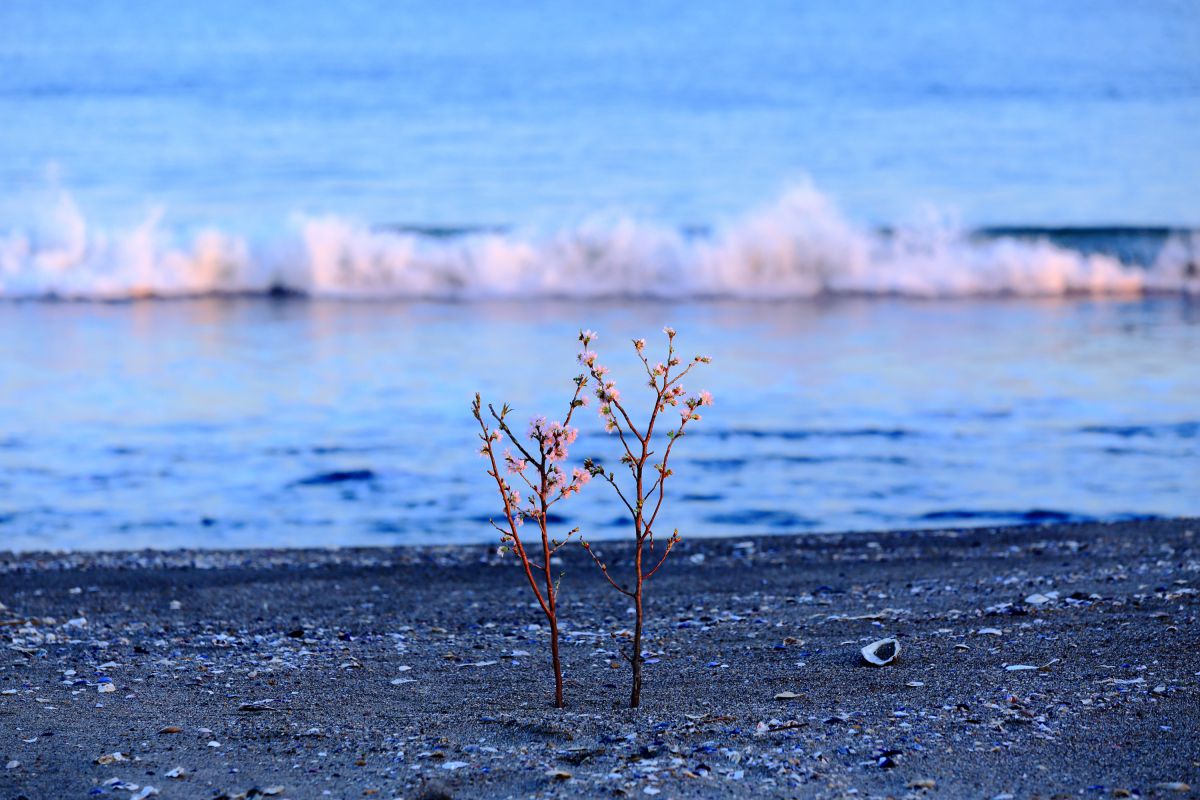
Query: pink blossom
[[587, 358], [537, 425], [639, 344], [557, 437], [705, 398], [515, 465]]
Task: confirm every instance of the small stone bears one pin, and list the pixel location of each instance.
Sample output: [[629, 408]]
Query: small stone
[[922, 783], [786, 696], [178, 773], [12, 764], [111, 758], [1173, 786], [214, 743], [105, 688], [454, 765], [559, 775], [171, 729], [990, 632], [147, 791]]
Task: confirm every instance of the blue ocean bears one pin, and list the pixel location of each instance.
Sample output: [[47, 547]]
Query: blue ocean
[[256, 259]]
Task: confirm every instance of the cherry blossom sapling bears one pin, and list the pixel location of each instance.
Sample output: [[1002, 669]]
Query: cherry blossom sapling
[[542, 469], [644, 499]]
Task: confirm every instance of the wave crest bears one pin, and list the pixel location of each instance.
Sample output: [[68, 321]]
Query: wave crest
[[801, 246]]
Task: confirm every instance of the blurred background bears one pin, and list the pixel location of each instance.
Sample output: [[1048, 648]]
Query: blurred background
[[255, 260]]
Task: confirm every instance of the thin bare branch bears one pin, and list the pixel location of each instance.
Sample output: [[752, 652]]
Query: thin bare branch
[[604, 570]]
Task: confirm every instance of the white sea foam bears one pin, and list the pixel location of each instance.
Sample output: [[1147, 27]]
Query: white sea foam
[[801, 246]]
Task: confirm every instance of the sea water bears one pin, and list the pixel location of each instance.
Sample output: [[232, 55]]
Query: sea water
[[256, 259]]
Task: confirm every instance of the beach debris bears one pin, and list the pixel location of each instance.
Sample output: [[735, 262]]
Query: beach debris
[[105, 688], [257, 707], [1025, 667], [881, 653], [559, 775], [14, 764], [922, 783], [454, 765], [111, 758], [786, 696], [121, 785], [990, 632], [171, 729], [178, 773], [271, 791], [147, 791], [915, 684], [1039, 599], [1173, 786]]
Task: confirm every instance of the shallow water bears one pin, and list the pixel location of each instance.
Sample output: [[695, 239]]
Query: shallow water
[[830, 198], [299, 422]]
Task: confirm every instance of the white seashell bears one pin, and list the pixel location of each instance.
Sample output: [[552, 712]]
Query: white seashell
[[882, 652]]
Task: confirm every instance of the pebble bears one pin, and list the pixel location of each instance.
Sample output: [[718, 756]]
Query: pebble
[[12, 764], [111, 758]]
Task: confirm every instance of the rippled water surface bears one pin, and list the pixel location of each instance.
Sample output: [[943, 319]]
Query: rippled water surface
[[257, 422]]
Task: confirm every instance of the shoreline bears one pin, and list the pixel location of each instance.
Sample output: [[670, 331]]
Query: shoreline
[[413, 671]]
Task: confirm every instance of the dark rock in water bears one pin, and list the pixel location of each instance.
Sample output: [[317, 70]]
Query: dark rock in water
[[337, 476]]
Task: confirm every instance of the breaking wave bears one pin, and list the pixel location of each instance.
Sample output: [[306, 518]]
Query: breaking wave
[[800, 246]]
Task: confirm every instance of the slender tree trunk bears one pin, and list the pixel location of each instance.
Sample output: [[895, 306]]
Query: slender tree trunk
[[635, 699], [558, 677]]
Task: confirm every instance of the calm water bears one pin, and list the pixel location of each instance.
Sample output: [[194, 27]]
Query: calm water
[[219, 423], [946, 257]]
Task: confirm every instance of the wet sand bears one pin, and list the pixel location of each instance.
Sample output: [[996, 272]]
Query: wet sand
[[422, 672]]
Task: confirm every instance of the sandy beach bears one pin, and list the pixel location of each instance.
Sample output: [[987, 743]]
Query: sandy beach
[[418, 672]]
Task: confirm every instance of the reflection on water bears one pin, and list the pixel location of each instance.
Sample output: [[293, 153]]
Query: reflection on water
[[255, 422]]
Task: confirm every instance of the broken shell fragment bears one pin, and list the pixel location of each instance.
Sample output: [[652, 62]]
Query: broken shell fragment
[[881, 653]]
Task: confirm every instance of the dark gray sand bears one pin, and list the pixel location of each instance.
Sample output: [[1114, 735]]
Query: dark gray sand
[[423, 672]]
